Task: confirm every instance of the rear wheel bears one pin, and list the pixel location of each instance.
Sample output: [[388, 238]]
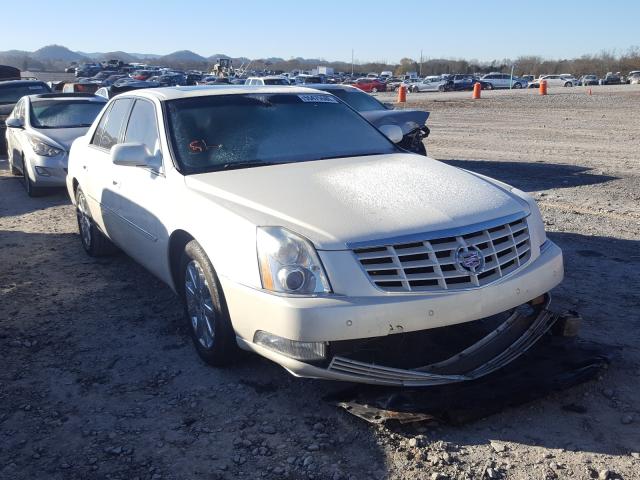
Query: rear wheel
[[206, 309], [489, 86], [374, 90], [441, 88], [94, 242], [517, 85], [568, 84]]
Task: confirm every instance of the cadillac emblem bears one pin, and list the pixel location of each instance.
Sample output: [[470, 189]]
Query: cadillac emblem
[[469, 260]]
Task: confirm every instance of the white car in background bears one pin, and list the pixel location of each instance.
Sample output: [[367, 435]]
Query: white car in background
[[430, 84], [293, 228], [40, 131], [504, 80], [270, 80], [564, 80]]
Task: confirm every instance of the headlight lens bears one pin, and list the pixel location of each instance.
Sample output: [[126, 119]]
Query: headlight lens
[[43, 149], [289, 263]]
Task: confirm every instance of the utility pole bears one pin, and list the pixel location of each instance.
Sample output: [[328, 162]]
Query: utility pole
[[420, 68], [352, 62]]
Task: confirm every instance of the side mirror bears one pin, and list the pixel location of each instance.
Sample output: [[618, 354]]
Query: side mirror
[[131, 155], [15, 123], [392, 132], [390, 106]]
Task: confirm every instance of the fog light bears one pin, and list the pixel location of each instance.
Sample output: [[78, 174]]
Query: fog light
[[42, 171], [291, 348]]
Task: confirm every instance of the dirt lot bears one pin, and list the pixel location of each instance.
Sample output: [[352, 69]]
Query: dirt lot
[[98, 378]]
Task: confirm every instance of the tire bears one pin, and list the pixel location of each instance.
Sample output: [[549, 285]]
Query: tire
[[94, 242], [374, 90], [31, 189], [12, 167], [568, 84], [517, 85], [441, 88], [421, 150], [489, 86], [205, 308]]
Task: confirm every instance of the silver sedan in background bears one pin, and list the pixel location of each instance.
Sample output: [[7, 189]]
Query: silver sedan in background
[[40, 131]]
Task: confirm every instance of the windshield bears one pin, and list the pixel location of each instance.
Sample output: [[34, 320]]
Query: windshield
[[275, 81], [221, 132], [359, 101], [64, 114], [13, 93]]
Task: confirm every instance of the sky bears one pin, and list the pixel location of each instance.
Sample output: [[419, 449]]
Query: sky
[[330, 30]]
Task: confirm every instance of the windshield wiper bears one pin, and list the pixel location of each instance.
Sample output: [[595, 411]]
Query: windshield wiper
[[239, 165], [350, 155]]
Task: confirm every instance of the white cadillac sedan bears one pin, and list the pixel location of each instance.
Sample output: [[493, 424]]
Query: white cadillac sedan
[[293, 228]]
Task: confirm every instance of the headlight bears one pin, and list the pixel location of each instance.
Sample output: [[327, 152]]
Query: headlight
[[43, 149], [289, 263], [536, 223]]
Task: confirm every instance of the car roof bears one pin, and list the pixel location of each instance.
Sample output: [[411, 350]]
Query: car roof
[[333, 86], [66, 96], [172, 93], [21, 82]]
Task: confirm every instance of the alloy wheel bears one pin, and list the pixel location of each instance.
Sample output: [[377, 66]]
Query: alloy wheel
[[199, 304], [84, 220]]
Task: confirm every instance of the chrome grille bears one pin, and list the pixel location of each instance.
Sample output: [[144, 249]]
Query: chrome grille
[[432, 265]]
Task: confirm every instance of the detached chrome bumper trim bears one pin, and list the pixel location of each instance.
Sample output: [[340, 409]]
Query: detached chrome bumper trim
[[378, 374]]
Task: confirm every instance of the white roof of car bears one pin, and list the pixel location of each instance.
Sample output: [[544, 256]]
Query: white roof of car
[[172, 93]]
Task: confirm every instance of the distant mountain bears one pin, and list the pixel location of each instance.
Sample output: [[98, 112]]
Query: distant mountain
[[122, 56], [182, 56], [57, 53]]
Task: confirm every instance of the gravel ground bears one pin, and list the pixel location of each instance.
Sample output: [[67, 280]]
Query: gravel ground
[[98, 379]]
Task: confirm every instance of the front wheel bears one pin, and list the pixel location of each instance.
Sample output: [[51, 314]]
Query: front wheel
[[206, 309], [14, 171], [94, 242], [374, 90], [31, 189], [441, 88], [568, 84], [517, 85]]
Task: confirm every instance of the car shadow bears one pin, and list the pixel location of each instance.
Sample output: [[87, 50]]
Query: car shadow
[[602, 284], [537, 176], [12, 186]]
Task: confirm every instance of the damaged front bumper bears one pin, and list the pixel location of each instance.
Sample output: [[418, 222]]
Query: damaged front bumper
[[483, 346], [519, 332]]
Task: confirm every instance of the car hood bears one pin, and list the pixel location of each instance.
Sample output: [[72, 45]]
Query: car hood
[[407, 120], [340, 201], [6, 108], [64, 137]]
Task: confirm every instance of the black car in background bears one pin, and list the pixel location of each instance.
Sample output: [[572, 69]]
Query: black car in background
[[10, 92], [459, 82], [611, 79], [9, 73]]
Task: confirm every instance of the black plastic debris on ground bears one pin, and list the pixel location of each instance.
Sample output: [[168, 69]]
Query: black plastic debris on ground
[[551, 366]]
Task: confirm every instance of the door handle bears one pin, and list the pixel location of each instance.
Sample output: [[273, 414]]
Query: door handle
[[115, 182]]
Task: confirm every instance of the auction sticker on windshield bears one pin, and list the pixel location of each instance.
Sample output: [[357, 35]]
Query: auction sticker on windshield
[[317, 98]]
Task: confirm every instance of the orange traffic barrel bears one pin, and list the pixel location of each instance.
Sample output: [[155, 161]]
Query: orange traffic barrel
[[543, 87], [477, 88], [402, 94]]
